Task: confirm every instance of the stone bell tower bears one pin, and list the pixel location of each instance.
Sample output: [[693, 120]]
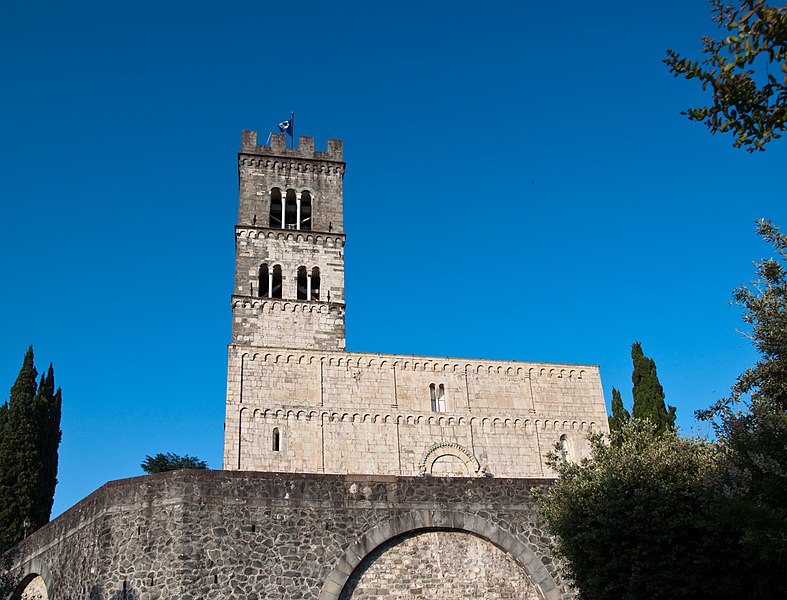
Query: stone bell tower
[[289, 244]]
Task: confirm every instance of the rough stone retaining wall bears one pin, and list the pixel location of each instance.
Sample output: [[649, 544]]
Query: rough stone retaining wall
[[192, 535]]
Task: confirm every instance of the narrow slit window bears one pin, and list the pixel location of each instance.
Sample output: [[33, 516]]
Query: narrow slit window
[[276, 212], [564, 448], [441, 398], [433, 396], [276, 440]]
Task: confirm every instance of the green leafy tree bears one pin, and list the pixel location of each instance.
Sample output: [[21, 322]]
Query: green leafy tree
[[651, 515], [8, 583], [171, 462], [752, 423], [636, 519], [648, 393], [764, 304], [620, 416], [29, 441], [746, 72]]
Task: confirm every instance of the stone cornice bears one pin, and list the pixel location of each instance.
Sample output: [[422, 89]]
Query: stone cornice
[[527, 421], [317, 237], [286, 304], [291, 163], [419, 363]]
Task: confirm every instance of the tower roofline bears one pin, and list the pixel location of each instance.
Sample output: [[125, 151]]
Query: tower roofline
[[278, 147]]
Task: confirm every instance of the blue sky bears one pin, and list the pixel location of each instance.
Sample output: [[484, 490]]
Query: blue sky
[[520, 185]]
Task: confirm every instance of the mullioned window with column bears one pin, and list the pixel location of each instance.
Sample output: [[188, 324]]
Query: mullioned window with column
[[269, 284], [308, 283], [290, 209]]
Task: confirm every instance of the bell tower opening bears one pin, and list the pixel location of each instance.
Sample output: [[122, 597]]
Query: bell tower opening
[[298, 254]]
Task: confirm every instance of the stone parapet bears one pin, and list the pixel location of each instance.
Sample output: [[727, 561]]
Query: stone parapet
[[278, 147], [213, 535]]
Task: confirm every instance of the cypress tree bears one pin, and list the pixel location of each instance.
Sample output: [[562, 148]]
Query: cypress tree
[[29, 439], [48, 405], [620, 416], [648, 393]]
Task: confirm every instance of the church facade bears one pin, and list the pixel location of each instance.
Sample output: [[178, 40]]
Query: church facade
[[298, 402]]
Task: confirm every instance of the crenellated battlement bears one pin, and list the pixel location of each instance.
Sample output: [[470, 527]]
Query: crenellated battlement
[[278, 147]]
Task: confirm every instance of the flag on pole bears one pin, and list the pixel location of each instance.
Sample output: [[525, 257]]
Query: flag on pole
[[287, 126]]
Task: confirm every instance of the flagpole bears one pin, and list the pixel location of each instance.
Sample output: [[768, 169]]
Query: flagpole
[[292, 137]]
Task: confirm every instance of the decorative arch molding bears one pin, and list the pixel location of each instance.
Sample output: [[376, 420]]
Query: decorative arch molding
[[28, 571], [440, 520], [284, 166], [387, 362], [440, 449]]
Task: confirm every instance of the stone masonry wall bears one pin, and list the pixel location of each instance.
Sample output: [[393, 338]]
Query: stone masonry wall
[[290, 249], [216, 534], [298, 323], [439, 565], [262, 168], [372, 413]]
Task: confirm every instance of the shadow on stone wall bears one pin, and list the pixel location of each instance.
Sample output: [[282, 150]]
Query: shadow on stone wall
[[97, 593], [8, 582]]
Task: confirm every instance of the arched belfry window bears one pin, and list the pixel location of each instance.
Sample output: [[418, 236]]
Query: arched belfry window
[[305, 211], [314, 284], [302, 284], [291, 210], [277, 214], [308, 283], [264, 281], [276, 442], [275, 280], [433, 396]]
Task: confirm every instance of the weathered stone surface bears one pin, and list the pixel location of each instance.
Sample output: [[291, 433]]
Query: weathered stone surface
[[298, 407], [439, 565], [219, 534], [298, 402]]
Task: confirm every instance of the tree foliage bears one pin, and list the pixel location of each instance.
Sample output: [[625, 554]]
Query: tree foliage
[[620, 416], [29, 440], [648, 393], [636, 519], [651, 515], [749, 100], [171, 462], [764, 304], [752, 420]]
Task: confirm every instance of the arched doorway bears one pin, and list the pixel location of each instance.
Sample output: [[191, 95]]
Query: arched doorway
[[31, 587], [355, 574], [436, 565]]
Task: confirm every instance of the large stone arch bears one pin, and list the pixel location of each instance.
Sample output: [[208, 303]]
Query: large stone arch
[[27, 572], [426, 520]]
